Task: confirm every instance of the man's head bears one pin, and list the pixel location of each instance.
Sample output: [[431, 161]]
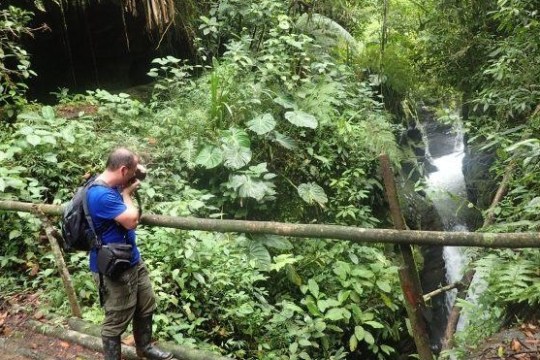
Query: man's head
[[121, 166]]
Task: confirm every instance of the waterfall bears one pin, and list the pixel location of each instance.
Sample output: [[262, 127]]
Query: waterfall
[[446, 188], [447, 191]]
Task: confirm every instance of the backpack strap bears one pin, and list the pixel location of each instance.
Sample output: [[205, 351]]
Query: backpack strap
[[90, 183], [89, 218]]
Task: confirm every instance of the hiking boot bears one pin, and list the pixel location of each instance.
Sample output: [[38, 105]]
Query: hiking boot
[[112, 347], [142, 332]]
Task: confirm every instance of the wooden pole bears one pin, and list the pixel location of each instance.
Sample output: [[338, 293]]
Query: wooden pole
[[354, 234], [441, 290], [88, 341], [408, 273], [62, 269], [180, 352]]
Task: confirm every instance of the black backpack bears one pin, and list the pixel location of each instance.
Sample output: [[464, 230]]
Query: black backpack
[[78, 230]]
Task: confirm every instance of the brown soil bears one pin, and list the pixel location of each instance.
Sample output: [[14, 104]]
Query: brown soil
[[73, 111], [17, 342], [522, 343]]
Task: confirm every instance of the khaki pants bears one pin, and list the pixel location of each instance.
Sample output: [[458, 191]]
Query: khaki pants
[[128, 297]]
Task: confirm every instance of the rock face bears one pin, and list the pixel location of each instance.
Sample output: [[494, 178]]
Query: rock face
[[441, 137], [481, 185]]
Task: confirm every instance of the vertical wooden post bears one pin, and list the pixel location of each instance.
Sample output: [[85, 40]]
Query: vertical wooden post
[[62, 269], [408, 273]]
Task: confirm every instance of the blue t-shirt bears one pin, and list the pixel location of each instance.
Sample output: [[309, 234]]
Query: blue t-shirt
[[105, 204]]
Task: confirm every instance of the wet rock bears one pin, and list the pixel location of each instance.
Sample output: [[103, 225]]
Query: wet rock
[[432, 277], [481, 185]]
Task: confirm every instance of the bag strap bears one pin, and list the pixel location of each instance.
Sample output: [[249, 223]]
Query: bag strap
[[90, 183]]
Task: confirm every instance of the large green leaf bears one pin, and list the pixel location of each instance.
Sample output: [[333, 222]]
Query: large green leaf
[[335, 314], [359, 332], [285, 141], [236, 148], [282, 260], [259, 253], [302, 119], [236, 137], [209, 157], [247, 187], [67, 134], [48, 112], [284, 102], [312, 193], [313, 288], [39, 5], [262, 124], [353, 343], [236, 156], [33, 139]]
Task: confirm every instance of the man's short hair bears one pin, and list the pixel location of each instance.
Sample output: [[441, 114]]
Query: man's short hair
[[121, 157]]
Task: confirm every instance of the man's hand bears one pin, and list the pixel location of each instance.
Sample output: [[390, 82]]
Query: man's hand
[[129, 218], [131, 187]]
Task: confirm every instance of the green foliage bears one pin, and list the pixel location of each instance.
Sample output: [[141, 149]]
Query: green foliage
[[289, 303], [14, 60], [273, 91], [508, 77], [454, 39]]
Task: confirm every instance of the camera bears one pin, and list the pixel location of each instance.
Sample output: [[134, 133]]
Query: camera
[[140, 173]]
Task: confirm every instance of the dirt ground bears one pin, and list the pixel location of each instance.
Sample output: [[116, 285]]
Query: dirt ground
[[17, 342], [522, 343]]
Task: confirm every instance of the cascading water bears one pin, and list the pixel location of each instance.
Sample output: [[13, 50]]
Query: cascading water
[[446, 188]]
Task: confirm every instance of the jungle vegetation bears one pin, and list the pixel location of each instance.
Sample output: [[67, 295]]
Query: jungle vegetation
[[278, 112]]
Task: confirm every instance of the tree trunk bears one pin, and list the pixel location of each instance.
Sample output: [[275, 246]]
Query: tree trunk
[[408, 273]]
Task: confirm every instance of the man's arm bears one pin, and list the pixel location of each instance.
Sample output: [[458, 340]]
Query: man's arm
[[129, 219]]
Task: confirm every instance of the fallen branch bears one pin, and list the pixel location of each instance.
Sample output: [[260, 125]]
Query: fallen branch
[[180, 352], [62, 269], [314, 231], [441, 290], [501, 191], [408, 273], [88, 341], [453, 318]]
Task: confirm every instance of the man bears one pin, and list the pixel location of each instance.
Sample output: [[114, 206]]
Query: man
[[130, 297]]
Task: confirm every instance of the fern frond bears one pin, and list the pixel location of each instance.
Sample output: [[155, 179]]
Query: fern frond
[[327, 32]]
